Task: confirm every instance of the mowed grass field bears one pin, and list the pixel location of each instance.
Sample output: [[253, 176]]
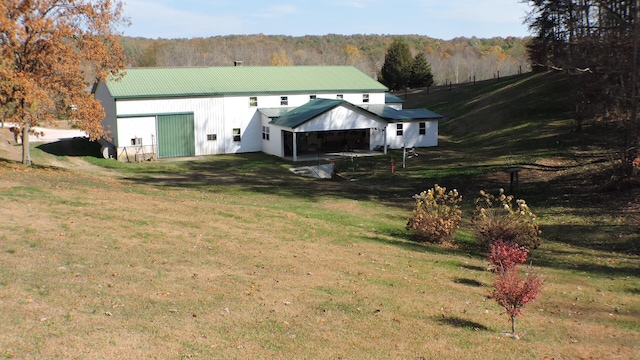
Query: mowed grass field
[[234, 257]]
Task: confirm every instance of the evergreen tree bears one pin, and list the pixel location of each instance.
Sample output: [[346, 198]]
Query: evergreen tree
[[420, 72], [396, 70]]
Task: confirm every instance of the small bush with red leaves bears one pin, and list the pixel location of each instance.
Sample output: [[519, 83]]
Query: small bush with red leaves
[[513, 292], [505, 256], [436, 216]]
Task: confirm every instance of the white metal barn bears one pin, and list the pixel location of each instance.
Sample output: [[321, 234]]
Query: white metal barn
[[284, 111]]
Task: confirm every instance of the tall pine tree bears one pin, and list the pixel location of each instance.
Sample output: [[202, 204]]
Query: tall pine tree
[[396, 70], [420, 72]]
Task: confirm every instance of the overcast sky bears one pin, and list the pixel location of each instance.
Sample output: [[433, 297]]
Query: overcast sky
[[440, 19]]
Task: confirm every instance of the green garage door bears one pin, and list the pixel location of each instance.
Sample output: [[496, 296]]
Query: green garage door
[[176, 135]]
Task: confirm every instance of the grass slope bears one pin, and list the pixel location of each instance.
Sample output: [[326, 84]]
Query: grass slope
[[234, 257]]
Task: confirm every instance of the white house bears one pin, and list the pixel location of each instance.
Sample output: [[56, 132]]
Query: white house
[[284, 111]]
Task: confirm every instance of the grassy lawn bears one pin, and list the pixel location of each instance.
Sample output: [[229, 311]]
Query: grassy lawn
[[230, 257]]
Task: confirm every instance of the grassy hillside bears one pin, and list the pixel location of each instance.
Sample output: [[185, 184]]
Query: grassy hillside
[[234, 257], [511, 115]]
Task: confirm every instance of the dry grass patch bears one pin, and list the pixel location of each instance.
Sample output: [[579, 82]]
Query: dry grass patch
[[119, 269]]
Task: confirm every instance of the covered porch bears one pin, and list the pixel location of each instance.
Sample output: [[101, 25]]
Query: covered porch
[[326, 128]]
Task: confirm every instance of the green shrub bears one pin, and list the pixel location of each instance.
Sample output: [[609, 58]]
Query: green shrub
[[497, 218], [436, 215]]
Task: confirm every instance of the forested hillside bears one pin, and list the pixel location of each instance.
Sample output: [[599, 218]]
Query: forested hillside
[[453, 61]]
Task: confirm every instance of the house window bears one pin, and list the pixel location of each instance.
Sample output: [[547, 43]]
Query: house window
[[236, 134], [423, 128], [284, 100], [312, 97], [253, 101], [365, 98], [340, 96], [399, 129], [212, 137], [265, 133], [136, 141]]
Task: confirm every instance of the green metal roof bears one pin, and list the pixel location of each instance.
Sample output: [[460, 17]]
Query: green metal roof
[[237, 80], [275, 112], [308, 111], [294, 117], [393, 115], [389, 98]]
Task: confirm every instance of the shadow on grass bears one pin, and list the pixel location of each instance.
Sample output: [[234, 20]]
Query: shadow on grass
[[635, 291], [460, 323], [610, 238], [407, 241], [475, 268], [470, 282], [78, 146]]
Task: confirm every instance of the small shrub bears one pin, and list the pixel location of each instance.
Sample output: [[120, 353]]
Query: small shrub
[[504, 256], [436, 216], [497, 218], [513, 292]]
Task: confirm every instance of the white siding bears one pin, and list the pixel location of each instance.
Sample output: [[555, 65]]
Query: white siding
[[356, 99], [239, 115], [377, 135], [143, 128], [208, 117], [339, 118], [273, 146], [411, 136]]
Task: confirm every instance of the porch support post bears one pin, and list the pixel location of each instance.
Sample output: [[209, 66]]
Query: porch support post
[[384, 133], [295, 147]]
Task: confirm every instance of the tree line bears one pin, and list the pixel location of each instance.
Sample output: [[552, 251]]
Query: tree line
[[597, 40], [454, 61]]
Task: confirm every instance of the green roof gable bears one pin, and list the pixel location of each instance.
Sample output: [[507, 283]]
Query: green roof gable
[[298, 116], [238, 80], [294, 117]]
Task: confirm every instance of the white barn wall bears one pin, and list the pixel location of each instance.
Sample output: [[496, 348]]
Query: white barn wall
[[273, 146], [430, 138], [143, 128], [137, 127], [376, 135], [355, 98], [411, 136], [206, 121], [238, 114]]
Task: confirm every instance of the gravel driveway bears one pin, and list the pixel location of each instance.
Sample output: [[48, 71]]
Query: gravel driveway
[[52, 134]]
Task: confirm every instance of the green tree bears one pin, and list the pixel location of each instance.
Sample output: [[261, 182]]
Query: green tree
[[598, 40], [420, 72], [49, 48], [396, 70]]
